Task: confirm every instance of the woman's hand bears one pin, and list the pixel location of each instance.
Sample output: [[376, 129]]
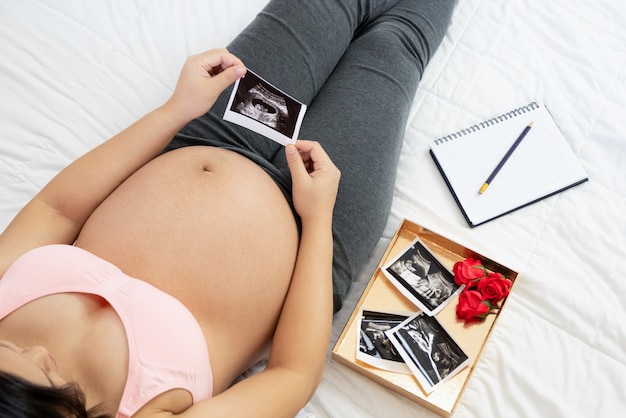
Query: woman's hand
[[203, 77], [315, 180]]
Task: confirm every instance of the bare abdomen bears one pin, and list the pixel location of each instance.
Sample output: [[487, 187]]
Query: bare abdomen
[[209, 227]]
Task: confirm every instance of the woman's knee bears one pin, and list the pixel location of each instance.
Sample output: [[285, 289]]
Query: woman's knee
[[414, 27]]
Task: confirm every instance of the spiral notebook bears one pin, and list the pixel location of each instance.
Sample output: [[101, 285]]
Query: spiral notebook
[[542, 165]]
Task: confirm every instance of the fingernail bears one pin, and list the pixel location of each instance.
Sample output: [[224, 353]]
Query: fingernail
[[291, 149], [240, 71]]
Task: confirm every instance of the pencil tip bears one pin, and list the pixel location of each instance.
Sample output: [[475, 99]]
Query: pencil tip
[[530, 124], [483, 188]]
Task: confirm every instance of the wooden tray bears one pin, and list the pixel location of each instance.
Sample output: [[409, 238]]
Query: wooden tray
[[381, 295]]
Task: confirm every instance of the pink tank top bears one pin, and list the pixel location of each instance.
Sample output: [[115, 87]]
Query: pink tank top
[[167, 349]]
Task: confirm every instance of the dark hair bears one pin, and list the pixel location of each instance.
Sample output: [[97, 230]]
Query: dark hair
[[20, 398]]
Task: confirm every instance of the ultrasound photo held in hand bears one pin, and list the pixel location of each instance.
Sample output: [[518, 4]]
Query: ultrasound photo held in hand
[[421, 277], [261, 107]]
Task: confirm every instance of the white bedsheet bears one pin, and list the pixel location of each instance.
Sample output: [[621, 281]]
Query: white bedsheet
[[74, 73]]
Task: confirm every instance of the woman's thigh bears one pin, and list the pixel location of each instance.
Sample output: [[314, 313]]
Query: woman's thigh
[[360, 117]]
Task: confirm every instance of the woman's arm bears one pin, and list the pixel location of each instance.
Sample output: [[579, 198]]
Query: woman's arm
[[58, 212], [300, 342]]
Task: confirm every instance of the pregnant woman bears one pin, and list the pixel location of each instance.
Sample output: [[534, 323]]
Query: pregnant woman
[[142, 283]]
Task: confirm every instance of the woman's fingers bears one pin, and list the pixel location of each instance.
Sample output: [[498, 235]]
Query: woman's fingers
[[315, 179]]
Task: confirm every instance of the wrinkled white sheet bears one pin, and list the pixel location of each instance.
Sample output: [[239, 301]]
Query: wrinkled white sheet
[[74, 73]]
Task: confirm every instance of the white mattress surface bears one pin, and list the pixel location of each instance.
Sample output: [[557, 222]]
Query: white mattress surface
[[73, 73]]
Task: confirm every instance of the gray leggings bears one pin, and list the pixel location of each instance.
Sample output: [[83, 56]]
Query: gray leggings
[[356, 64]]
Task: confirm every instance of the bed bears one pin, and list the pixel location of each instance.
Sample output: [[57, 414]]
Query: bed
[[74, 73]]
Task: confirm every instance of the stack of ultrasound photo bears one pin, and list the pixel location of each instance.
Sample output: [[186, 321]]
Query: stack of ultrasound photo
[[414, 343]]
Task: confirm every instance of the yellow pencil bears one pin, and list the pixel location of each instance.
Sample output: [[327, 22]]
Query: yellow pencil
[[506, 157]]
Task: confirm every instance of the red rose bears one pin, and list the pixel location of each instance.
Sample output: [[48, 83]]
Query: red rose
[[494, 287], [467, 271], [472, 306]]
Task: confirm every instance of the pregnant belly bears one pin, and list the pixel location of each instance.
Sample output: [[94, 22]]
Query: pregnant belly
[[212, 229]]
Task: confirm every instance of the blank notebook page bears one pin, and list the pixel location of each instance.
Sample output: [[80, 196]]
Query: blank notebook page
[[542, 164]]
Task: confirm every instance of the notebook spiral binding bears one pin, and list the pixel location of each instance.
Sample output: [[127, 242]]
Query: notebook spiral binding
[[493, 121]]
